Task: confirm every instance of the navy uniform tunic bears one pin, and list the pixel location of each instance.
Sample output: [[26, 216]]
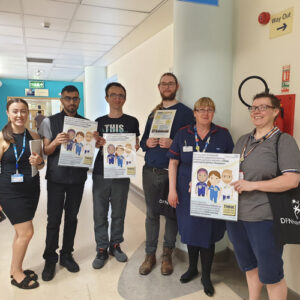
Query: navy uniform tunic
[[196, 231]]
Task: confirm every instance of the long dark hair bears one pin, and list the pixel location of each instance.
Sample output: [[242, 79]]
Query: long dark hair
[[160, 105], [7, 130]]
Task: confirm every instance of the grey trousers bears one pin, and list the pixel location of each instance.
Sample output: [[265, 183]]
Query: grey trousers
[[154, 181], [105, 191]]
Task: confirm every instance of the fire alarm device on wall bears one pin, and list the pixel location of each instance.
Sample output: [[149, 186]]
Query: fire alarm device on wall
[[264, 18]]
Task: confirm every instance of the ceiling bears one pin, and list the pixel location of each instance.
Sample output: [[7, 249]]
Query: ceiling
[[80, 32]]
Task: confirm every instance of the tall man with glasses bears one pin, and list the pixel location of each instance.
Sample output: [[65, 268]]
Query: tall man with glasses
[[155, 175], [113, 191], [64, 186]]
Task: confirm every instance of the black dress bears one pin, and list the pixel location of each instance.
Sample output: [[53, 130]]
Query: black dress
[[18, 200]]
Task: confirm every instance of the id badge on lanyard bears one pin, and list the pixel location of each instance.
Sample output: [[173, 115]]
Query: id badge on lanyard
[[197, 142], [15, 178]]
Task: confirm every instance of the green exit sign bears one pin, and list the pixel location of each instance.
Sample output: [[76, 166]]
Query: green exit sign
[[36, 84]]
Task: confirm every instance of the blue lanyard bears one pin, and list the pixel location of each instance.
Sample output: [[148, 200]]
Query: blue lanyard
[[22, 152], [197, 141]]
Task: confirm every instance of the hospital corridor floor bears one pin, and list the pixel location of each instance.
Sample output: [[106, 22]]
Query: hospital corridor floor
[[115, 280]]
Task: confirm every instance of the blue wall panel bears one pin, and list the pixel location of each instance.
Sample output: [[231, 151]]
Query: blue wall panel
[[16, 88], [209, 2]]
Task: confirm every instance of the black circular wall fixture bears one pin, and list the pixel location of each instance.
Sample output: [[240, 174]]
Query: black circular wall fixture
[[243, 82]]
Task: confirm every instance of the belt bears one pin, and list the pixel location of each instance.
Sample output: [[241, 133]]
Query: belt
[[157, 170]]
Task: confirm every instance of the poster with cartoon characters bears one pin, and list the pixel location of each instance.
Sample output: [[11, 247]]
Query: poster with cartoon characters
[[162, 123], [119, 155], [79, 151], [212, 195]]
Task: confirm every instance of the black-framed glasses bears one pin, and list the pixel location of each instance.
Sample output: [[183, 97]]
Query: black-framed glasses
[[167, 84], [69, 99], [262, 107], [115, 96]]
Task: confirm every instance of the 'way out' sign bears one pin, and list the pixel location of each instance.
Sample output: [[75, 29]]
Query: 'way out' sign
[[281, 23]]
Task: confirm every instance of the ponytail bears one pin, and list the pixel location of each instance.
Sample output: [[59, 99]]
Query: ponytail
[[157, 107], [8, 133]]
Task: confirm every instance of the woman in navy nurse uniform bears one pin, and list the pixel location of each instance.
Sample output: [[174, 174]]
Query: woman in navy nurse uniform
[[200, 234]]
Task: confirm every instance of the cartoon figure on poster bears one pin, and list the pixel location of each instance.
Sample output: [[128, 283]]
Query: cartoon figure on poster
[[88, 145], [111, 154], [119, 155], [70, 145], [227, 189], [214, 190], [79, 142], [129, 156], [201, 186]]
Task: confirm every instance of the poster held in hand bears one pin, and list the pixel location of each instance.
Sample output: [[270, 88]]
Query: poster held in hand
[[79, 150], [212, 195], [119, 155], [162, 123]]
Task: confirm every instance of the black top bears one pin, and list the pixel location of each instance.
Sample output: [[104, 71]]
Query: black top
[[61, 174], [8, 161], [124, 124]]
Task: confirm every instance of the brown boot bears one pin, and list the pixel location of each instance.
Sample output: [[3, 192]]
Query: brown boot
[[148, 264], [166, 264]]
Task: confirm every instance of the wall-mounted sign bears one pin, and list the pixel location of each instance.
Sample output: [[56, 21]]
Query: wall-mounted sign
[[285, 83], [36, 84], [209, 2], [42, 92], [29, 92], [281, 23]]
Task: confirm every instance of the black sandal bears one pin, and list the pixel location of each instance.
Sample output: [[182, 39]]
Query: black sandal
[[25, 283], [29, 273]]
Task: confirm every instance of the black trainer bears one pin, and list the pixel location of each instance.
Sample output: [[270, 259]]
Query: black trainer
[[49, 271], [116, 251], [67, 261], [100, 258]]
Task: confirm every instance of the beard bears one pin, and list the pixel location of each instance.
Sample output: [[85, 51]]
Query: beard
[[170, 97], [71, 109]]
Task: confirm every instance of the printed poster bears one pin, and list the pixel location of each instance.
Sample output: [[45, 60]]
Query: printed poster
[[212, 196], [162, 123], [119, 155], [80, 149]]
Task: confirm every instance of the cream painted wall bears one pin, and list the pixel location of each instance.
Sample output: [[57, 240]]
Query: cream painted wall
[[139, 71], [256, 54]]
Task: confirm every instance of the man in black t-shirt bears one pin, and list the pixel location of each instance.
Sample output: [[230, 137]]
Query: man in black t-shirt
[[114, 191]]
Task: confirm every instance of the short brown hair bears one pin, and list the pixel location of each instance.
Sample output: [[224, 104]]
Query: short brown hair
[[205, 101]]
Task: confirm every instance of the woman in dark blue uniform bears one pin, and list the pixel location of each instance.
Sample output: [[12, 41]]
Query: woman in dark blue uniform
[[200, 234], [19, 191]]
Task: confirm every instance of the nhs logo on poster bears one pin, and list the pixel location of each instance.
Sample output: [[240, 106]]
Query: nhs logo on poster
[[209, 2]]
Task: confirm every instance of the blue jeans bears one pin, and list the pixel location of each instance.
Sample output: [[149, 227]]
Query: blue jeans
[[105, 191], [154, 181]]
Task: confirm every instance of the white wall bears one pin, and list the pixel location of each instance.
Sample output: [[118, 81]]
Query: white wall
[[256, 54], [139, 71]]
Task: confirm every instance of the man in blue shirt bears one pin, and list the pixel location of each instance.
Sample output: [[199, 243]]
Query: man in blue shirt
[[155, 175]]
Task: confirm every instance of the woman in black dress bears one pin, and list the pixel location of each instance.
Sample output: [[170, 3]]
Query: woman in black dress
[[19, 191]]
